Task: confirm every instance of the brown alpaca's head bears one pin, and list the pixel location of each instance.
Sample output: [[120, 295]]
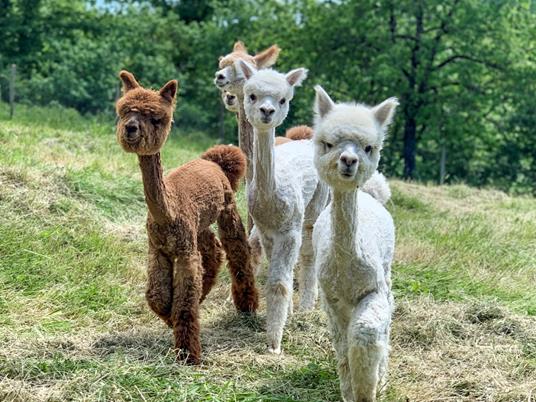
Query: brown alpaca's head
[[145, 116], [227, 78]]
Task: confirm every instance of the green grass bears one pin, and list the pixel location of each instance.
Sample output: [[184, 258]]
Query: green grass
[[74, 324]]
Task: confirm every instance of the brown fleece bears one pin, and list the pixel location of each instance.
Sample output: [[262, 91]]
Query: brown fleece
[[184, 253]]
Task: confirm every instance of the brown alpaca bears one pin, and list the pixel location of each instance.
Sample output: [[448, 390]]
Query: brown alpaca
[[184, 253], [295, 134]]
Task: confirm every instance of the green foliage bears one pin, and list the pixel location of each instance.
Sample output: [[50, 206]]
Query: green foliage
[[464, 70]]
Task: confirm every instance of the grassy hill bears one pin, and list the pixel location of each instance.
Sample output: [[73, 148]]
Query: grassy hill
[[74, 324]]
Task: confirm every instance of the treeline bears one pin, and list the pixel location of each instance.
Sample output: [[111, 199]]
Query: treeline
[[464, 70]]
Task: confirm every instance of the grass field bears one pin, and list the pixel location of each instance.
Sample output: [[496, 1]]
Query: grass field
[[74, 324]]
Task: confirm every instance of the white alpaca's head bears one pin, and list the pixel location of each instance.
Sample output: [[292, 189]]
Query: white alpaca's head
[[230, 101], [267, 94], [229, 78], [348, 139]]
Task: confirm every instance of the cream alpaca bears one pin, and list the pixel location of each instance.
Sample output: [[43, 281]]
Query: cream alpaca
[[284, 197], [354, 242]]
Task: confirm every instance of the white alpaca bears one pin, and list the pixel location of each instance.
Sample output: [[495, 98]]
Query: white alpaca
[[284, 197], [354, 242]]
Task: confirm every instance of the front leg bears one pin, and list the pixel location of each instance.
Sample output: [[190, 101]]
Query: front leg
[[338, 327], [159, 291], [187, 290], [368, 345], [285, 250]]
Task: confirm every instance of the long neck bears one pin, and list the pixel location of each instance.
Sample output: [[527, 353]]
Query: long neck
[[154, 187], [344, 219], [263, 162], [245, 137]]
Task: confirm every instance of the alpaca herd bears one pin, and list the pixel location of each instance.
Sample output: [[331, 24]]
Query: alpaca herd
[[315, 203]]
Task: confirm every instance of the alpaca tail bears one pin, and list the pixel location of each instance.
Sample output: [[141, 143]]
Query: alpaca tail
[[230, 159], [299, 133], [378, 187]]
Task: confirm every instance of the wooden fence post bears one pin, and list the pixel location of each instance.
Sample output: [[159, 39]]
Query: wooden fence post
[[12, 90]]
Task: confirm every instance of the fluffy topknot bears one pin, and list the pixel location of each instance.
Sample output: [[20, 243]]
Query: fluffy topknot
[[299, 133]]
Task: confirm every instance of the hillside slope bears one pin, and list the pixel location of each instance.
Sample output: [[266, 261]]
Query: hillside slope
[[74, 324]]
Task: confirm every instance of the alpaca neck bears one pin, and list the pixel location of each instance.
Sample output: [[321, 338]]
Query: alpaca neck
[[263, 162], [245, 137], [154, 187], [344, 219]]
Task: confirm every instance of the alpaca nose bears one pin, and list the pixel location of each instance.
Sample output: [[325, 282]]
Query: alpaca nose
[[131, 127], [267, 111], [230, 98], [220, 77], [348, 159]]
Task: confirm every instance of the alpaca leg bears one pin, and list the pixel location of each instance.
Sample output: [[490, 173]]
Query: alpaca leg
[[338, 329], [308, 283], [235, 243], [212, 256], [159, 291], [368, 345], [279, 287], [256, 250], [187, 288]]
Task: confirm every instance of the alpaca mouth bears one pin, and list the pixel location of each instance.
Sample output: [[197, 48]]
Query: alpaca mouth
[[266, 120], [347, 174], [132, 140]]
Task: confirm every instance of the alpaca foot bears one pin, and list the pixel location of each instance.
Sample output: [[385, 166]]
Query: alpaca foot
[[274, 350], [184, 356]]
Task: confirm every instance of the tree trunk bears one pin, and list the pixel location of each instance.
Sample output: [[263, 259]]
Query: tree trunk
[[410, 144]]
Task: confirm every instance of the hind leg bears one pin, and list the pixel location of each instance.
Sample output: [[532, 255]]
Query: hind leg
[[187, 289], [212, 256], [235, 243], [159, 290]]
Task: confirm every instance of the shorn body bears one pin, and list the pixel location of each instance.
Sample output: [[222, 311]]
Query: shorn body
[[354, 243], [285, 196]]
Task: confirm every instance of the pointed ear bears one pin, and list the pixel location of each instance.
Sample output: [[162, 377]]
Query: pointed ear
[[169, 91], [239, 47], [267, 58], [323, 103], [129, 82], [247, 69], [385, 111], [296, 77]]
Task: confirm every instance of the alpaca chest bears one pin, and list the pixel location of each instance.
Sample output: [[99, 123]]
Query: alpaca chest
[[346, 278], [171, 239]]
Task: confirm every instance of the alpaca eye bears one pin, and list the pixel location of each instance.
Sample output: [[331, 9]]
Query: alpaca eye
[[282, 101], [155, 121], [368, 148], [252, 97], [327, 146]]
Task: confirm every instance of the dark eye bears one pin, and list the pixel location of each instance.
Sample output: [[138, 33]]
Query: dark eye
[[252, 97], [368, 148], [327, 145], [282, 101], [155, 121]]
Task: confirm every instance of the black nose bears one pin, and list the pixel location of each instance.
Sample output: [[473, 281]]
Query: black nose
[[267, 111], [349, 160], [230, 98], [220, 77], [132, 128]]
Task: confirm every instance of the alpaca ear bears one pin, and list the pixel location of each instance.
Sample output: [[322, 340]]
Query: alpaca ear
[[239, 47], [129, 82], [247, 69], [385, 111], [323, 103], [267, 58], [296, 77], [169, 91]]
